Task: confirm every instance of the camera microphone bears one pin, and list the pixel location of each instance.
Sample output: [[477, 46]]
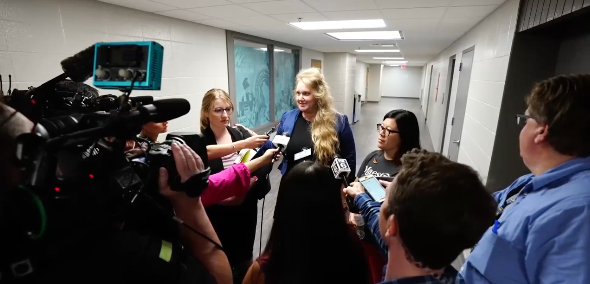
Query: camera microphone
[[281, 142], [120, 125]]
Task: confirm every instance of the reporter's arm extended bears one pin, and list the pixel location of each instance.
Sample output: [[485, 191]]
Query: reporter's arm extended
[[218, 151], [369, 209], [188, 164], [233, 181], [255, 164]]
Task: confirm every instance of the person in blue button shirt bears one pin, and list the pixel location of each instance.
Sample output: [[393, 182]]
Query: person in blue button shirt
[[542, 231], [433, 210]]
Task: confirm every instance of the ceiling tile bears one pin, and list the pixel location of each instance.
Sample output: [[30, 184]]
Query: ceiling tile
[[219, 23], [184, 4], [279, 7], [142, 5], [184, 15], [305, 17], [227, 11], [248, 1], [414, 13], [388, 4], [354, 15], [455, 23], [476, 2], [470, 11], [259, 22], [341, 5], [412, 24]]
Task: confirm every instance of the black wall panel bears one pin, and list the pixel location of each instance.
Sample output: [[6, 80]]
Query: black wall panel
[[537, 12]]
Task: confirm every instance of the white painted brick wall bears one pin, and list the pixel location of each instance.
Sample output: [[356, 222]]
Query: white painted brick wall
[[35, 35], [492, 38]]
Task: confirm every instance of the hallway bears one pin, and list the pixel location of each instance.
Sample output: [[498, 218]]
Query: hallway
[[365, 136]]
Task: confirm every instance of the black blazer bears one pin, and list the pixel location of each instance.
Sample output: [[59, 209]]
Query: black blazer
[[262, 186]]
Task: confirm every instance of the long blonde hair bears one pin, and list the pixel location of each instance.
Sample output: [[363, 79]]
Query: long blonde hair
[[323, 127], [208, 99]]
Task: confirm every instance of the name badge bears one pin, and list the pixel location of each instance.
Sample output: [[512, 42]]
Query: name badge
[[303, 154]]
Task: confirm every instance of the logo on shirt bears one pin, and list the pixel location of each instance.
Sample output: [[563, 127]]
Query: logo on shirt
[[370, 171]]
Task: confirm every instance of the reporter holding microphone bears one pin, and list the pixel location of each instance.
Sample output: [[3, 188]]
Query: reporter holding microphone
[[234, 218]]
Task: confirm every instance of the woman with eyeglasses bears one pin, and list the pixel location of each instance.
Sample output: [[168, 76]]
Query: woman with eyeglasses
[[234, 219], [399, 133]]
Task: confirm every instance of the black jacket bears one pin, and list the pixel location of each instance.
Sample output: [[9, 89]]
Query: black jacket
[[236, 225]]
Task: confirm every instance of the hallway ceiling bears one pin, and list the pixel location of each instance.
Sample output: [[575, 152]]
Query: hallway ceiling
[[428, 26]]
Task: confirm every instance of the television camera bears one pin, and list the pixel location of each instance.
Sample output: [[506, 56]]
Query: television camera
[[77, 170]]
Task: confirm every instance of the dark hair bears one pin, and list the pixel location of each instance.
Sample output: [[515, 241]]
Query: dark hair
[[409, 131], [563, 103], [441, 208], [310, 241]]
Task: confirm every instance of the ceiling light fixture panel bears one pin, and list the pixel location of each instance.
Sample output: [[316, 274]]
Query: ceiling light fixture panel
[[388, 58], [340, 25], [376, 50], [366, 35]]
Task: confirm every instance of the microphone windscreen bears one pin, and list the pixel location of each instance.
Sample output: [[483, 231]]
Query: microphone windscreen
[[142, 99], [80, 66], [169, 109]]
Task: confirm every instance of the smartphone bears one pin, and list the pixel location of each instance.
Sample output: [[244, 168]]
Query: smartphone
[[373, 187]]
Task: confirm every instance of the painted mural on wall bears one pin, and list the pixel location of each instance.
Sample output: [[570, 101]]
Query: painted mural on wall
[[284, 82], [252, 85]]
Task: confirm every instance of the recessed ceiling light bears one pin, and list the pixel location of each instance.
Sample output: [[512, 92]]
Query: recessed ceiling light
[[370, 35], [395, 62], [388, 58], [377, 50], [393, 65], [388, 45], [339, 25]]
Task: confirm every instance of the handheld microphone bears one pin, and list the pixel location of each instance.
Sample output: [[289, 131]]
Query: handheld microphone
[[281, 142], [341, 169], [270, 131]]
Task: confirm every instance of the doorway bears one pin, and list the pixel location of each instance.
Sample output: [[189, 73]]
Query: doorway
[[447, 98], [428, 94], [460, 103]]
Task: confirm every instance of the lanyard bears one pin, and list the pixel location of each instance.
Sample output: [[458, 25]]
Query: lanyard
[[509, 200]]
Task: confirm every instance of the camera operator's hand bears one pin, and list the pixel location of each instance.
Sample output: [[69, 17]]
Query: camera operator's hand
[[192, 212], [354, 189], [188, 164]]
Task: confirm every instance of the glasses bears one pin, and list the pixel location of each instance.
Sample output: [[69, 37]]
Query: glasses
[[380, 129], [521, 119], [219, 111]]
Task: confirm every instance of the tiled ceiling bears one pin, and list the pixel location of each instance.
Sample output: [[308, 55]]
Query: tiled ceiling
[[428, 26]]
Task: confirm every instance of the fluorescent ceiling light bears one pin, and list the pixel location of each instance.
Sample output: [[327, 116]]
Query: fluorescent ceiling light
[[339, 25], [387, 45], [370, 35], [395, 62], [394, 65], [388, 58], [377, 50]]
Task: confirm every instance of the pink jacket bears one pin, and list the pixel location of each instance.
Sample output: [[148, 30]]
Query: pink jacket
[[233, 181]]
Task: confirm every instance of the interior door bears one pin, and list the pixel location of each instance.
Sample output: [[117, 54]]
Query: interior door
[[460, 103]]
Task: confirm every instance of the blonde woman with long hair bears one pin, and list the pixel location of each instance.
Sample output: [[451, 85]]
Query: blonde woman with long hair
[[318, 132], [234, 219]]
